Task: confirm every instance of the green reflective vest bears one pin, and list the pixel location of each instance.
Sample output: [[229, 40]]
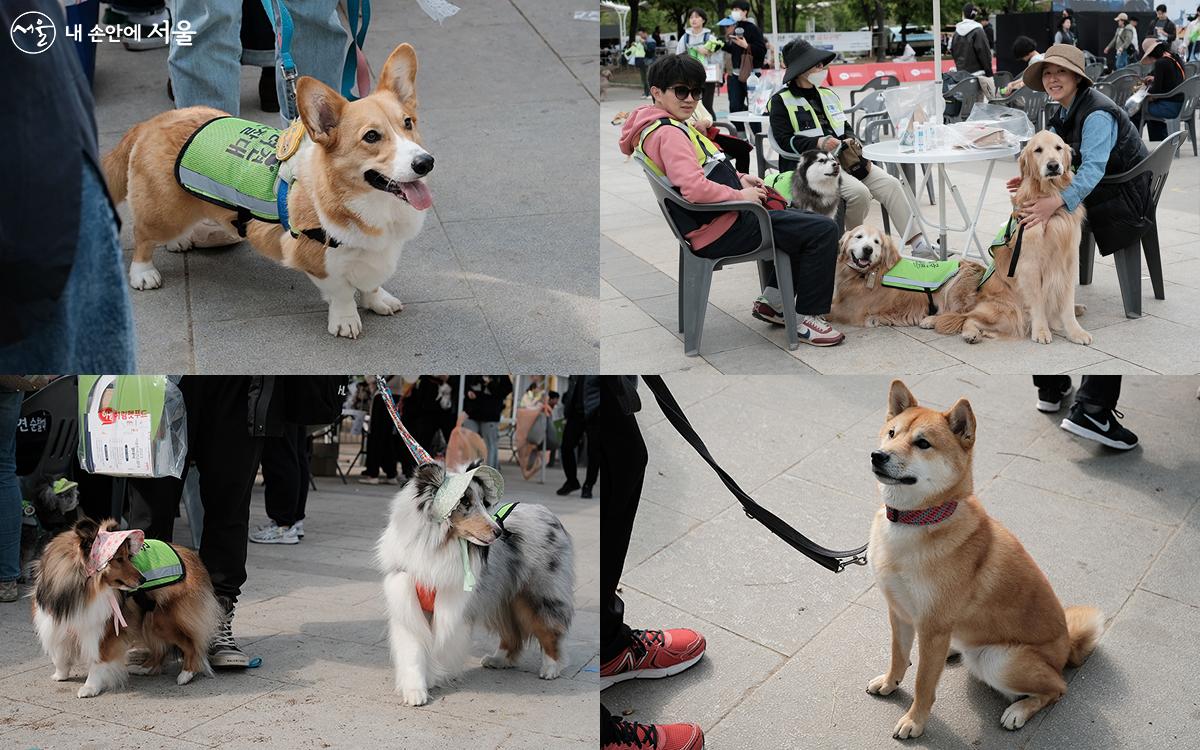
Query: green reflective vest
[[708, 155], [159, 564], [811, 124], [781, 182], [917, 275], [232, 162]]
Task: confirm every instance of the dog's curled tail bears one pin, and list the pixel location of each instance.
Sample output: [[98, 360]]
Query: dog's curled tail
[[1084, 626], [116, 165]]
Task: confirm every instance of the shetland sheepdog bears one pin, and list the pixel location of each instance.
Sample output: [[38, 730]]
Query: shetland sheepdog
[[358, 179], [78, 616], [524, 583]]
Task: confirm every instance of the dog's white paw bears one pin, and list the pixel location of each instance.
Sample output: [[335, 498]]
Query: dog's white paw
[[144, 276], [89, 691], [184, 677], [1015, 716], [1080, 337], [415, 696], [348, 325], [181, 245], [908, 727], [927, 323], [61, 676], [1043, 336], [381, 302], [882, 685], [495, 661], [550, 670]]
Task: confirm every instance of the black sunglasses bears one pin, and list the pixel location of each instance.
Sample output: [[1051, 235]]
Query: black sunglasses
[[681, 92]]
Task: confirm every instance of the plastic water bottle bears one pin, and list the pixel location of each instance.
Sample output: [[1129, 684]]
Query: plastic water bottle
[[921, 138]]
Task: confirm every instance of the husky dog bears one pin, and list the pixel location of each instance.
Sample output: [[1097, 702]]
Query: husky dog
[[452, 559], [815, 183]]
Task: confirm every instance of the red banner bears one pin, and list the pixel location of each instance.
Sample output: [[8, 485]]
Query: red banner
[[858, 74]]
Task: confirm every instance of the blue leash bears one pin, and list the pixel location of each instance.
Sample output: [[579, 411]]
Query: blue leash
[[359, 15]]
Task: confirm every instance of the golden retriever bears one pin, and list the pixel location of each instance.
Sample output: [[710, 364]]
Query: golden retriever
[[864, 256], [1050, 252], [956, 579]]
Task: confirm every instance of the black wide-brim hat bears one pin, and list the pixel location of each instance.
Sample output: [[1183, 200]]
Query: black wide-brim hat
[[799, 56]]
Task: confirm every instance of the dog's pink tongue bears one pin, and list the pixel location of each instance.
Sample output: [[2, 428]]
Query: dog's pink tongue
[[417, 194]]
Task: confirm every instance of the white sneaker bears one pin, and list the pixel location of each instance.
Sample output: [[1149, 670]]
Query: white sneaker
[[272, 534], [298, 527]]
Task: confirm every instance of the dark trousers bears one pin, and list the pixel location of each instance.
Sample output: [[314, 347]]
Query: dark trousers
[[381, 441], [737, 93], [573, 433], [622, 455], [285, 475], [710, 88], [642, 72], [227, 456], [1098, 391], [809, 239]]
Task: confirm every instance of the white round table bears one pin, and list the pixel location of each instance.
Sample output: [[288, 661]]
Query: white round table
[[890, 152]]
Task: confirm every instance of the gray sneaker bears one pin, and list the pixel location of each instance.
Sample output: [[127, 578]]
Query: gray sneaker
[[273, 534], [223, 652], [9, 591]]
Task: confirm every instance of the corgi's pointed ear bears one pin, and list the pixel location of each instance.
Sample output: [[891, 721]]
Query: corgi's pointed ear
[[320, 109], [400, 76], [899, 399], [962, 422]]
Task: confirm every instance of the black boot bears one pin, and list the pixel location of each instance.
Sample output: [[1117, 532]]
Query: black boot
[[268, 98]]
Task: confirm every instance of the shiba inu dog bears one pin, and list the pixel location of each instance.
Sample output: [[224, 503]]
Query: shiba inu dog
[[956, 579], [352, 179]]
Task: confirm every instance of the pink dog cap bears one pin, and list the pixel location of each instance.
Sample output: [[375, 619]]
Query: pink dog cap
[[106, 545]]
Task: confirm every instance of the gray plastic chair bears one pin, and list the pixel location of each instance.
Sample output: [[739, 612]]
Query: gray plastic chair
[[1002, 78], [965, 91], [1128, 260], [878, 83], [1094, 70], [872, 107], [1032, 103], [695, 273], [1187, 113]]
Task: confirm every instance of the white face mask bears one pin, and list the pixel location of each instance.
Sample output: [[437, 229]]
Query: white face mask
[[818, 78], [737, 15]]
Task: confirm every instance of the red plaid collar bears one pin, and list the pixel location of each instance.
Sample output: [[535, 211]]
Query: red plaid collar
[[922, 517]]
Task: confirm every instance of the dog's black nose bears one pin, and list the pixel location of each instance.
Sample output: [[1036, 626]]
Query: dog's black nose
[[1052, 167], [879, 458], [867, 253], [423, 164]]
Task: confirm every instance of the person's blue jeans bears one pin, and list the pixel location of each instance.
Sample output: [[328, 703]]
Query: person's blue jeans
[[10, 491], [1122, 60], [208, 72], [1167, 110], [92, 330], [490, 432]]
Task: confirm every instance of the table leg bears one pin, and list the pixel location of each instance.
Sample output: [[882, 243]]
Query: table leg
[[941, 170], [913, 207], [971, 236]]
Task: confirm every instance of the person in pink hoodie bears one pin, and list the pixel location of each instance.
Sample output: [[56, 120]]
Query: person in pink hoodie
[[658, 133]]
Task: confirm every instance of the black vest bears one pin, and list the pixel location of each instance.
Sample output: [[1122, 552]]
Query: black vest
[[1117, 213]]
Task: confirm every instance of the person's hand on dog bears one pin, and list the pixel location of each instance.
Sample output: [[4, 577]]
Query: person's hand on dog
[[754, 194], [1040, 211], [1013, 183], [828, 143], [749, 180]]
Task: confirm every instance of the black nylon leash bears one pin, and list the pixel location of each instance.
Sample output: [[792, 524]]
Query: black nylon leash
[[832, 559]]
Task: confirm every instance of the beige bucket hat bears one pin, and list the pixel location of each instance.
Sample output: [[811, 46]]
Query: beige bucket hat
[[1063, 55]]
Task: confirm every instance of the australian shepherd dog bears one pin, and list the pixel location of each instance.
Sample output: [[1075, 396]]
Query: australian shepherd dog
[[87, 617], [523, 583]]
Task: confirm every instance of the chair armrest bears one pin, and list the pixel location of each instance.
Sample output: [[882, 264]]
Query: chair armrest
[[728, 127], [759, 211]]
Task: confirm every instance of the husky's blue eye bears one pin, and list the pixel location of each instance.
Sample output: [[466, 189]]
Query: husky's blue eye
[[922, 444], [372, 136]]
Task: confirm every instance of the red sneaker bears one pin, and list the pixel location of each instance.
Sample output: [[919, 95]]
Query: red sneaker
[[653, 654], [631, 736]]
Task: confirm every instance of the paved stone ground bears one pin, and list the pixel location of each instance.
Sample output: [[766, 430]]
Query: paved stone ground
[[639, 267], [314, 613], [792, 646], [504, 272]]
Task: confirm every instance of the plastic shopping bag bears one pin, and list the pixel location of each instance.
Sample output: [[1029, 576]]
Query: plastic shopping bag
[[910, 106], [131, 426]]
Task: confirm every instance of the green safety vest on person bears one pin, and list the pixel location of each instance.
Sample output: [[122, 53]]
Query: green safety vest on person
[[159, 564], [708, 156], [636, 50], [233, 163], [833, 112]]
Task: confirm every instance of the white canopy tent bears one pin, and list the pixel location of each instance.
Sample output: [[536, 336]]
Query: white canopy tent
[[622, 12]]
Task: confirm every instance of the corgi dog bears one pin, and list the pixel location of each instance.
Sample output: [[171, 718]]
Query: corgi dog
[[89, 611], [515, 559], [354, 189], [956, 579]]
